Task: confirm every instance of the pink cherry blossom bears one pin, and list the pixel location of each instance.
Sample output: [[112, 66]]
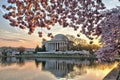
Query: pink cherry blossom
[[110, 35]]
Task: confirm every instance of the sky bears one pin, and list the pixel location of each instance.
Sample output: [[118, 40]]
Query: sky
[[15, 37]]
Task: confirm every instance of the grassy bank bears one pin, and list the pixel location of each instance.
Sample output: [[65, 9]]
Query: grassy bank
[[53, 56]]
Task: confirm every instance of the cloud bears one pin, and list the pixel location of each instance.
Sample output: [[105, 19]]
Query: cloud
[[111, 3], [4, 31], [1, 10], [114, 1], [8, 36], [22, 39], [14, 40]]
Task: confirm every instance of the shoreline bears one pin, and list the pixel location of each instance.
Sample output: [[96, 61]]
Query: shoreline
[[53, 56], [114, 74]]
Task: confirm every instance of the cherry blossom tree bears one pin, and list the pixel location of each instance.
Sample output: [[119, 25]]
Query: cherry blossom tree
[[30, 14], [110, 36]]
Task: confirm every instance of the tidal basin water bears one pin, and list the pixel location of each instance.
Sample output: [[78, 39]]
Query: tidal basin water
[[52, 69]]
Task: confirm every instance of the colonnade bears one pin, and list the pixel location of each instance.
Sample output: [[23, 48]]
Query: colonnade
[[57, 46]]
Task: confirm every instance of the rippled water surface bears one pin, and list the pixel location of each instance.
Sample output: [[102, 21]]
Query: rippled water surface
[[52, 69]]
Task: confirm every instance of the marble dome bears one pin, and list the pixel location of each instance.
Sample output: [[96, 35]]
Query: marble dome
[[60, 37]]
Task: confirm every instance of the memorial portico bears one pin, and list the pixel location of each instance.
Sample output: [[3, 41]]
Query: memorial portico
[[58, 43]]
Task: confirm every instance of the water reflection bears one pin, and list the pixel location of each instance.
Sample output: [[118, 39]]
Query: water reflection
[[60, 68], [52, 69], [11, 60]]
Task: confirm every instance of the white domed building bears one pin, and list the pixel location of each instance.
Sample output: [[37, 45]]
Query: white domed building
[[58, 43]]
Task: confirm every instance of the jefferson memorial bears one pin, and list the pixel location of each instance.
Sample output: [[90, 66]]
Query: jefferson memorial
[[58, 43]]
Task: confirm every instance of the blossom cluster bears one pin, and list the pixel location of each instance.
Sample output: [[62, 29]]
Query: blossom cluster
[[77, 14], [110, 36]]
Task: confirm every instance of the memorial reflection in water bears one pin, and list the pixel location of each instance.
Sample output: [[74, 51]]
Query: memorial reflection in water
[[52, 69], [60, 68]]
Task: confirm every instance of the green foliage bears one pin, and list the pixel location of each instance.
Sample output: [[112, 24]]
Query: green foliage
[[4, 52], [43, 48], [21, 50], [38, 49], [88, 47]]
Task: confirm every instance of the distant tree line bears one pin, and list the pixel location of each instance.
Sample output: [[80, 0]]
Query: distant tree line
[[40, 49], [88, 47], [20, 50], [81, 44], [6, 50]]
